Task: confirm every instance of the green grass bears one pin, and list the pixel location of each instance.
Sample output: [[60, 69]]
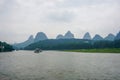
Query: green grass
[[110, 50]]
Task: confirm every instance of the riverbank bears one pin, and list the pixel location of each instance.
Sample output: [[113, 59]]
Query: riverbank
[[109, 50]]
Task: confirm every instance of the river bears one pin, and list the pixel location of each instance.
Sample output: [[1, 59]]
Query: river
[[59, 65]]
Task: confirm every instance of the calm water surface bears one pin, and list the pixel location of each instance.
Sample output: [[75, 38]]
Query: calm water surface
[[58, 65]]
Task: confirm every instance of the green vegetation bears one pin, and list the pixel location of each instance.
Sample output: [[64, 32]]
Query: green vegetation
[[4, 47], [107, 50], [74, 44], [60, 44]]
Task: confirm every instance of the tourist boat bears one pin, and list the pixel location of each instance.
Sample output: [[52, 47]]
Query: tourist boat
[[37, 50]]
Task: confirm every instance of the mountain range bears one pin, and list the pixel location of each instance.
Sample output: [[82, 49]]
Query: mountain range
[[67, 35], [87, 36], [97, 37], [117, 37], [110, 37], [40, 36], [29, 41]]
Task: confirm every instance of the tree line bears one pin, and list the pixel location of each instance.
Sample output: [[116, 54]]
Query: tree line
[[5, 47], [68, 44]]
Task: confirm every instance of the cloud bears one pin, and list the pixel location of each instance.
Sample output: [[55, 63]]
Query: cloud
[[79, 3], [61, 16], [21, 18]]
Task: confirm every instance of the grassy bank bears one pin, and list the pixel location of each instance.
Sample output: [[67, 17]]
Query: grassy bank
[[112, 50]]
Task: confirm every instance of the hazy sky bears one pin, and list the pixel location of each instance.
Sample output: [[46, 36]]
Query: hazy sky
[[21, 18]]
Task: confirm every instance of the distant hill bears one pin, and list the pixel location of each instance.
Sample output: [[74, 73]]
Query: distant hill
[[5, 47], [97, 38], [24, 44], [117, 40], [60, 36], [87, 36], [68, 35], [40, 36], [110, 37], [117, 36]]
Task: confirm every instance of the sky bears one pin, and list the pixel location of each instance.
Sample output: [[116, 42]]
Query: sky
[[21, 18]]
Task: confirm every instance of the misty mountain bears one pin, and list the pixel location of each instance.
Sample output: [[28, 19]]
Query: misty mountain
[[40, 36], [117, 36], [97, 37], [87, 36], [68, 35], [110, 37], [60, 36], [24, 44]]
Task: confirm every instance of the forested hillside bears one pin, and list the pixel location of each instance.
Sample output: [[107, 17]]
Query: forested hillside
[[5, 47], [63, 44]]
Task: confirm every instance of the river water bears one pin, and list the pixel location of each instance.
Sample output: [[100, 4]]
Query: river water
[[58, 65]]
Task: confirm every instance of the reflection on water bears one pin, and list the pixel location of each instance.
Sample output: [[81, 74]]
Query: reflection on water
[[56, 65]]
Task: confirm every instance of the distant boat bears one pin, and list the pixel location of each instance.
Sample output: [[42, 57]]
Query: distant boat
[[37, 50]]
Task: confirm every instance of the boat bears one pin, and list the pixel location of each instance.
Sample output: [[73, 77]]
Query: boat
[[37, 50]]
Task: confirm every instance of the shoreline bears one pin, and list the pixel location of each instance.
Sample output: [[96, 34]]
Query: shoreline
[[106, 50]]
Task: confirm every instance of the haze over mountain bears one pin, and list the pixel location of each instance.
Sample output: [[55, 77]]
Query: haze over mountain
[[110, 37], [40, 36], [97, 37], [87, 36], [68, 35], [25, 43], [60, 36], [117, 36]]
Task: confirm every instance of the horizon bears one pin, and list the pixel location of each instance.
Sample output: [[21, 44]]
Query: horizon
[[21, 18]]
